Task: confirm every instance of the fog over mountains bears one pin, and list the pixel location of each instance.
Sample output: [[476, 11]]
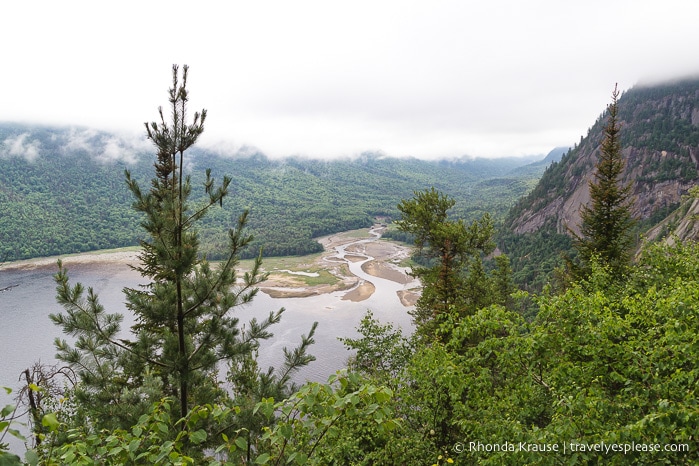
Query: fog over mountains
[[64, 191]]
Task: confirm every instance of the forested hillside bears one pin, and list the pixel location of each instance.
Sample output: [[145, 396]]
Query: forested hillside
[[659, 135], [62, 190]]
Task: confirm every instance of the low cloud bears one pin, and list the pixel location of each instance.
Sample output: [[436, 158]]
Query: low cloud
[[104, 147], [115, 149], [81, 140], [32, 142], [227, 148], [21, 146]]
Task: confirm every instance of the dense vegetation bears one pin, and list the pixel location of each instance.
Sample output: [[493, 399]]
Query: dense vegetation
[[60, 196], [57, 205]]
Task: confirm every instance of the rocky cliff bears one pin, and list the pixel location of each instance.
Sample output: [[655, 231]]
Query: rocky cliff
[[660, 145]]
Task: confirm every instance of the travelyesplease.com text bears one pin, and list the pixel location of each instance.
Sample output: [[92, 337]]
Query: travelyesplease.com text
[[568, 447]]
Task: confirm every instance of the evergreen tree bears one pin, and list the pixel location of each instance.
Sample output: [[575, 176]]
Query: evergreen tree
[[606, 224], [185, 329], [454, 280]]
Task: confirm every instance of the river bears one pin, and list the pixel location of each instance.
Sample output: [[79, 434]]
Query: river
[[28, 297]]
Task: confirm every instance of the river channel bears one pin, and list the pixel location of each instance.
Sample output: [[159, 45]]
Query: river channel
[[28, 297]]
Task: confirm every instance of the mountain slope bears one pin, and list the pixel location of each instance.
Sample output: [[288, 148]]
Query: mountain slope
[[62, 190], [660, 146]]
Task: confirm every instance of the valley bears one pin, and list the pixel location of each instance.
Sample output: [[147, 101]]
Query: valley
[[290, 201], [601, 355]]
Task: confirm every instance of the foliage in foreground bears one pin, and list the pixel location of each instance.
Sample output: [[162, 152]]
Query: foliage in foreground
[[317, 425], [604, 363], [607, 362], [186, 330]]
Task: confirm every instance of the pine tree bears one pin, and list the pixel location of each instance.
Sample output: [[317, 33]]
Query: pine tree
[[606, 223], [183, 317], [454, 281], [185, 328]]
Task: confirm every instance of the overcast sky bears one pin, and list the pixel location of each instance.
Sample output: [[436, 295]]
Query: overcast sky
[[328, 78]]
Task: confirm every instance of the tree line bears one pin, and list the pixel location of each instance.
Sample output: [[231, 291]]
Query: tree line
[[67, 200]]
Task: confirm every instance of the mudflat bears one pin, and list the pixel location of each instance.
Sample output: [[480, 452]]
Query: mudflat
[[328, 272], [125, 256], [384, 263]]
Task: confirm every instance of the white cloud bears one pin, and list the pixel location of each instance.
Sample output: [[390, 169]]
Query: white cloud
[[330, 79], [81, 140], [105, 147], [22, 146], [114, 149]]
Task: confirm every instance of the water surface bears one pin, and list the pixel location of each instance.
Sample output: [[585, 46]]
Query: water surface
[[29, 297]]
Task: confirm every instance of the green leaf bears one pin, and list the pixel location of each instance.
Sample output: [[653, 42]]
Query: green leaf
[[301, 458], [134, 444], [68, 457], [198, 437], [16, 434], [49, 420], [286, 431], [382, 396], [7, 410], [241, 443], [31, 457], [262, 459], [8, 459]]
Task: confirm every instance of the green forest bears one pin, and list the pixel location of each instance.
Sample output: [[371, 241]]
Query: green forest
[[599, 367], [69, 198]]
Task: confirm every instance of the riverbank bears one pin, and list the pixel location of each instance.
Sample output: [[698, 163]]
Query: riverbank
[[296, 277], [28, 297], [121, 256]]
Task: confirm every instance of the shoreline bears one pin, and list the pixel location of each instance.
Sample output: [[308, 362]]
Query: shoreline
[[282, 283], [125, 256]]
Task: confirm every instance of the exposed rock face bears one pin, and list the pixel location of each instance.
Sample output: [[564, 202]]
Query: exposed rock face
[[660, 145], [682, 224], [695, 117]]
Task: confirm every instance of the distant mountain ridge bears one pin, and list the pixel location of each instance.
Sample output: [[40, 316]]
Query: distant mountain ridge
[[555, 155], [62, 190], [660, 145]]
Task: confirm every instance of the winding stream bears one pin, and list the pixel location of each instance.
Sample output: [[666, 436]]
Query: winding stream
[[336, 317], [385, 289]]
